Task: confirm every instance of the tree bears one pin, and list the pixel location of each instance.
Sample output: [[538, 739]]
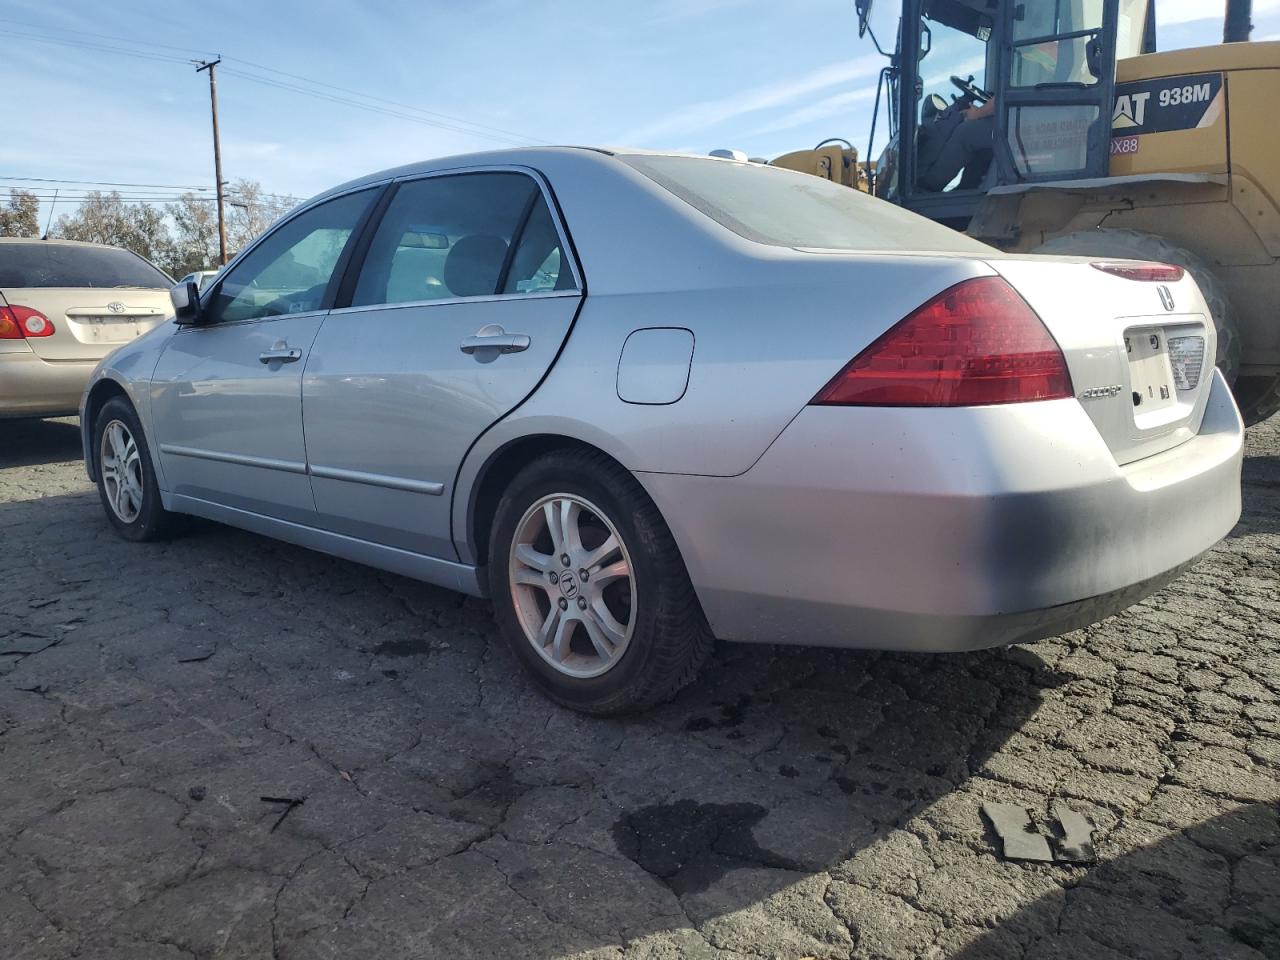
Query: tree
[[180, 237], [251, 211], [105, 218], [21, 216], [195, 234]]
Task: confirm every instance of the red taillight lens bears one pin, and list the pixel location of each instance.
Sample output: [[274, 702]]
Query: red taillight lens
[[9, 329], [18, 322], [978, 343], [1145, 272]]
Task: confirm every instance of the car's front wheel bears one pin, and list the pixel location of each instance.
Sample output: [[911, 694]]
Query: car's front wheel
[[126, 479], [590, 589]]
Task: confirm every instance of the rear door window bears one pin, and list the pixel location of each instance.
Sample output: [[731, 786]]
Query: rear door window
[[539, 264], [450, 237], [47, 264]]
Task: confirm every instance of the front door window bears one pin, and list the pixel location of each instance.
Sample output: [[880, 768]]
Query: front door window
[[289, 272]]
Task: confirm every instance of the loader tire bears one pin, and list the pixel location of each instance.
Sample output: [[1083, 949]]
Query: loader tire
[[1258, 397], [1135, 245]]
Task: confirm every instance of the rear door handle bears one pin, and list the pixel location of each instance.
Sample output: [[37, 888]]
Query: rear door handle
[[281, 352], [493, 337]]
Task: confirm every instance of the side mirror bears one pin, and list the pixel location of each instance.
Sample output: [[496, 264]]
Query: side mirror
[[186, 302]]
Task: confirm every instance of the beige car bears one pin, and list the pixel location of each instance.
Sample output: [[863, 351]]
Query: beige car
[[63, 307]]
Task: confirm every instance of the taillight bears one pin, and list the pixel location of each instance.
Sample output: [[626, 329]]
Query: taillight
[[1144, 272], [978, 343], [19, 322]]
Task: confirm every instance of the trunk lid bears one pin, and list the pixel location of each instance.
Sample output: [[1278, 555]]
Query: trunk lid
[[90, 322], [1140, 353]]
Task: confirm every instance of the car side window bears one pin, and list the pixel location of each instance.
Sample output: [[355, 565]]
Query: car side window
[[539, 263], [450, 237], [290, 270]]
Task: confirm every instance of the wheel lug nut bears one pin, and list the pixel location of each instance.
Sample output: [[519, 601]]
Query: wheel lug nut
[[582, 603], [553, 577], [583, 575], [564, 604], [564, 558]]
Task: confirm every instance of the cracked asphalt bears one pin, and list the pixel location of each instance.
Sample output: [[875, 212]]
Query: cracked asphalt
[[228, 747]]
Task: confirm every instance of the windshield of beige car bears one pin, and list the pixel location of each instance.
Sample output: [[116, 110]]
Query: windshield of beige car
[[787, 209]]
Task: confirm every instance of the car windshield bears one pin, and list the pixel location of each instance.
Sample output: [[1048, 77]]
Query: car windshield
[[41, 264], [787, 209]]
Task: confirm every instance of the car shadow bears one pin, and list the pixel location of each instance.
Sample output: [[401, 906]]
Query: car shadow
[[1211, 889], [25, 443], [404, 711], [1261, 509]]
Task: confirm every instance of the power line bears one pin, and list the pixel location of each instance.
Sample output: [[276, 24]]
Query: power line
[[393, 103], [99, 36], [333, 98], [420, 115], [104, 183], [160, 58]]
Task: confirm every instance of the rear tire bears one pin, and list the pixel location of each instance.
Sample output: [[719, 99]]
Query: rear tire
[[1134, 245], [613, 642], [126, 478]]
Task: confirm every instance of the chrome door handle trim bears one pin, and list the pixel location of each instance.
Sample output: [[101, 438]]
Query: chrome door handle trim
[[503, 343], [284, 355]]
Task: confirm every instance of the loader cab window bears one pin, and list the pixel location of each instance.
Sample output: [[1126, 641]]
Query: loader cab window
[[1056, 46], [954, 136], [1054, 43]]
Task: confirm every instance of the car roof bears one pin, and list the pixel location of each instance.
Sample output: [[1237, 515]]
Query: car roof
[[57, 241], [516, 156]]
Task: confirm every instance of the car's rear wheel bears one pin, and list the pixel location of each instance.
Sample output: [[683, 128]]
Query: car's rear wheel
[[126, 479], [590, 589]]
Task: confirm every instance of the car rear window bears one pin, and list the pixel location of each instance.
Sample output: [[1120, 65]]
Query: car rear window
[[40, 264], [788, 209]]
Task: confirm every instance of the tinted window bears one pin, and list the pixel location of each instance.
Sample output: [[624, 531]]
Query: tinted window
[[289, 271], [448, 237], [539, 263], [40, 264], [787, 209]]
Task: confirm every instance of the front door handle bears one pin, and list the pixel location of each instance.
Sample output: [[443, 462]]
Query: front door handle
[[281, 352], [493, 337]]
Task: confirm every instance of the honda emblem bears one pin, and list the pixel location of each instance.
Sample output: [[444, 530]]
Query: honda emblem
[[1166, 297]]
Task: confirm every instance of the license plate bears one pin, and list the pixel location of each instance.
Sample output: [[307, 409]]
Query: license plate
[[108, 329], [1150, 373]]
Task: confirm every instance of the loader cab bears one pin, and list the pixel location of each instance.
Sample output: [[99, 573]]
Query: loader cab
[[1047, 67]]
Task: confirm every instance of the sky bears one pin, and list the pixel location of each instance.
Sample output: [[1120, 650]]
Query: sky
[[450, 76]]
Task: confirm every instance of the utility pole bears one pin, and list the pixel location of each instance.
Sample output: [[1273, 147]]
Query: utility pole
[[217, 158], [1239, 25]]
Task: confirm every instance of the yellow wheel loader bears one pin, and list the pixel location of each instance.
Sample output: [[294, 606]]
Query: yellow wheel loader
[[1079, 138]]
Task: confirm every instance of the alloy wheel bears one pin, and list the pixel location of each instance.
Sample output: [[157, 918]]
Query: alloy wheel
[[572, 585], [121, 466]]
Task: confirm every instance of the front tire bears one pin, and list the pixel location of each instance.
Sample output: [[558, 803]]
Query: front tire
[[126, 478], [627, 635]]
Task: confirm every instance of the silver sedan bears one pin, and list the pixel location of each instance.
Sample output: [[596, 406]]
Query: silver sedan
[[644, 400]]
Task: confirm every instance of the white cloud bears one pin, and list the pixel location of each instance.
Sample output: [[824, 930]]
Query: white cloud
[[828, 106], [709, 113]]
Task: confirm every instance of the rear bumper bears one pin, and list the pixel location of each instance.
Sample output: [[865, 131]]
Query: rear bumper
[[31, 387], [947, 530]]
